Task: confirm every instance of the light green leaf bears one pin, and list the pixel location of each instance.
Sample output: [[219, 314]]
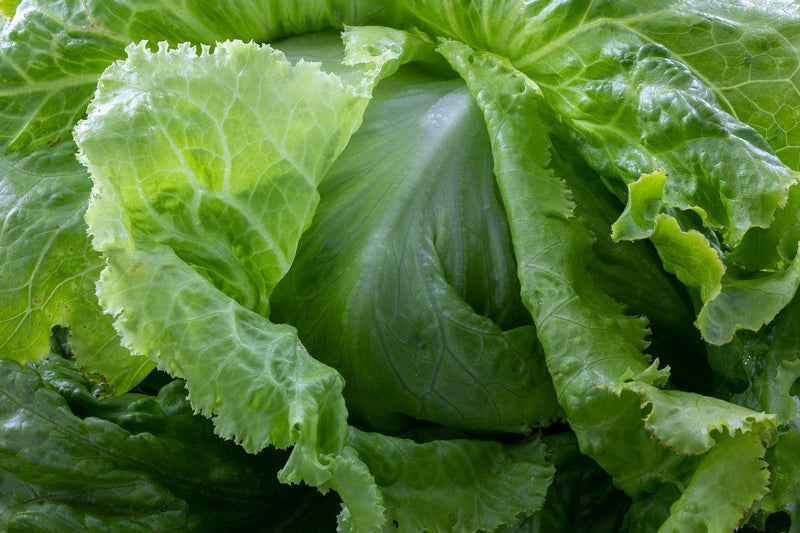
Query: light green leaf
[[770, 249], [636, 104], [691, 423], [198, 218], [48, 269], [713, 506], [588, 342], [730, 299], [256, 379], [748, 302], [456, 485], [231, 184]]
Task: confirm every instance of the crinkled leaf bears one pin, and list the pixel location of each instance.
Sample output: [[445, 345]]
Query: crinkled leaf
[[707, 504], [687, 254], [231, 184], [207, 210], [691, 423], [52, 53], [748, 302], [48, 269], [456, 485], [638, 98], [731, 299], [567, 307]]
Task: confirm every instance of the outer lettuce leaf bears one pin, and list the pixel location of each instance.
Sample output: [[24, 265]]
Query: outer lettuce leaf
[[731, 299], [208, 210], [394, 285], [638, 98], [748, 302], [707, 504], [48, 269], [132, 463], [457, 484], [591, 347], [634, 106], [540, 213], [690, 423], [53, 53]]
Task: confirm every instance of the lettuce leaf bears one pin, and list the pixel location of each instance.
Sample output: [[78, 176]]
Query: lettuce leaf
[[396, 253], [49, 269], [393, 284], [594, 373], [137, 462]]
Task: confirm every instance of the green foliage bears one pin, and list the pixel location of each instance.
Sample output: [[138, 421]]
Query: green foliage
[[485, 265]]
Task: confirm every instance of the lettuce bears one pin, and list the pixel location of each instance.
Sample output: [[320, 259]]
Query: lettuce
[[448, 266]]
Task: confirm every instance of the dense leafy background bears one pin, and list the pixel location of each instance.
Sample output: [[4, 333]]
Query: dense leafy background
[[299, 232]]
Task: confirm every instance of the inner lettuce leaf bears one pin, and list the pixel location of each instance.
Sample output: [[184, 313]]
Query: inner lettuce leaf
[[401, 287], [196, 224], [730, 298]]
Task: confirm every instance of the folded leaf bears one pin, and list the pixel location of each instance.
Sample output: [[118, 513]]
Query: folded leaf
[[198, 222], [589, 344], [393, 284], [458, 484]]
